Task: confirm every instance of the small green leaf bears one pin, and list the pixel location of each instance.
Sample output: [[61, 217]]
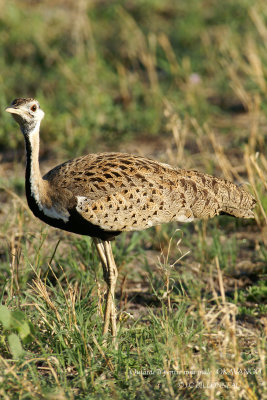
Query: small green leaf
[[17, 319], [26, 332], [15, 346], [5, 317]]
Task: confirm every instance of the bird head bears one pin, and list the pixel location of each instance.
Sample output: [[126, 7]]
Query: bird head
[[27, 113]]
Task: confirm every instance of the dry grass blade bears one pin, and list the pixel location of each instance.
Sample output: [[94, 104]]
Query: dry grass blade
[[41, 290], [252, 162]]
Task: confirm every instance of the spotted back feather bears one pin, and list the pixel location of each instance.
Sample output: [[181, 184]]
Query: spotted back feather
[[123, 192]]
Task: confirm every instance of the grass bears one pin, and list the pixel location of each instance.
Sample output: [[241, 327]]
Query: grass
[[174, 82]]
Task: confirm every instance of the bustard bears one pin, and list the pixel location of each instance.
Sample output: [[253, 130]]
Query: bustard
[[102, 195]]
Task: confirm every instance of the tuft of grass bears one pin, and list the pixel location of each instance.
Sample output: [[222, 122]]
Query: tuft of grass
[[173, 347]]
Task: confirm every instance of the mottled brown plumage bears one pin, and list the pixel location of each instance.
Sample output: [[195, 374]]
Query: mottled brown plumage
[[122, 192], [103, 194]]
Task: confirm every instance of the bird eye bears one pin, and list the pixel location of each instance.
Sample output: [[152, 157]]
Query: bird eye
[[34, 107]]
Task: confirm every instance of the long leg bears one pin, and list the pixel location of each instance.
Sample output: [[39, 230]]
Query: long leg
[[101, 252], [110, 275]]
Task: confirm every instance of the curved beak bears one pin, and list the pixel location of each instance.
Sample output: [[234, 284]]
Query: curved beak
[[13, 110]]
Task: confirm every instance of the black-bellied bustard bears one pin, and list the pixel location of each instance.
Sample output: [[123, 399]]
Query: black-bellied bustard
[[102, 195]]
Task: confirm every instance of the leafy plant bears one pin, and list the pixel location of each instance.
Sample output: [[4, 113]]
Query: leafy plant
[[17, 330]]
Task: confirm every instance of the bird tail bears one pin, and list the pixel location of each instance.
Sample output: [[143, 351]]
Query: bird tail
[[240, 204], [226, 197]]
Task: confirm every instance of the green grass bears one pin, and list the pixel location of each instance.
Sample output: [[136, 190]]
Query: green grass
[[169, 337], [103, 80], [184, 83]]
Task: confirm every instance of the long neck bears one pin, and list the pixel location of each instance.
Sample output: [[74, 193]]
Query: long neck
[[33, 179]]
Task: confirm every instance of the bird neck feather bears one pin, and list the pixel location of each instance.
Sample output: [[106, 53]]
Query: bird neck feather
[[34, 181]]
